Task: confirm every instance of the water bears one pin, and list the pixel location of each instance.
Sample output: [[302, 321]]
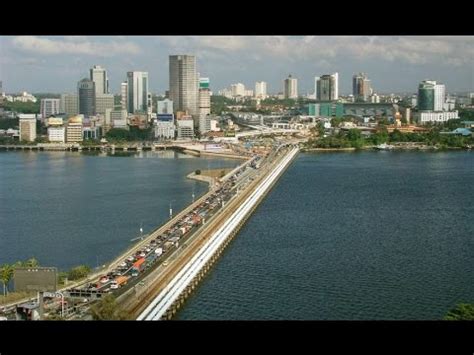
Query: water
[[67, 209], [372, 235]]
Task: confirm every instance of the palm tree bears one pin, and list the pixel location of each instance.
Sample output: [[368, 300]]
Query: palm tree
[[6, 274], [32, 262]]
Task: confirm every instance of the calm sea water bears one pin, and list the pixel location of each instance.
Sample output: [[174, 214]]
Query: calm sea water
[[67, 209], [372, 235]]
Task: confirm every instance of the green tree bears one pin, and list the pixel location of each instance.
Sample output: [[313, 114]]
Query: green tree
[[79, 272], [107, 309], [6, 274], [197, 172], [463, 311]]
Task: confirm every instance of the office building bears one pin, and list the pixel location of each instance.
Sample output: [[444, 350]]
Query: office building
[[436, 116], [185, 127], [86, 94], [164, 126], [431, 96], [103, 102], [139, 97], [69, 104], [99, 76], [204, 104], [27, 127], [361, 87], [164, 106], [291, 88], [183, 81], [261, 90], [56, 134], [124, 95], [327, 87], [49, 107], [74, 129]]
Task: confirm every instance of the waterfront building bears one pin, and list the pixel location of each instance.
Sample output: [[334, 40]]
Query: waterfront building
[[56, 134], [86, 94], [291, 88], [185, 127], [183, 81], [27, 127], [164, 126], [74, 129]]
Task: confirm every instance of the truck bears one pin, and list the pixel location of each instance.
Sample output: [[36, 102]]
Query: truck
[[118, 282], [139, 265]]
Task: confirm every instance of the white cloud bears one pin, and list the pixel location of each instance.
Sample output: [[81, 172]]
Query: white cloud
[[78, 46]]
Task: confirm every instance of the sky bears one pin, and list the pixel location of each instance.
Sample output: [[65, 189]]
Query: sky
[[394, 64]]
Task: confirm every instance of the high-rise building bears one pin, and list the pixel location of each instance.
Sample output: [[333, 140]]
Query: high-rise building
[[327, 87], [361, 87], [261, 90], [86, 94], [431, 96], [56, 134], [164, 106], [69, 104], [185, 127], [204, 98], [138, 93], [27, 127], [49, 107], [103, 102], [237, 89], [291, 88], [124, 95], [99, 76], [183, 81]]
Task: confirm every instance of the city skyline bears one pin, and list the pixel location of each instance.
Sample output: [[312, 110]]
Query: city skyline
[[394, 64]]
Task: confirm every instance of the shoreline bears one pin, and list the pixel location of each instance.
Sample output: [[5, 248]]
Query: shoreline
[[409, 149]]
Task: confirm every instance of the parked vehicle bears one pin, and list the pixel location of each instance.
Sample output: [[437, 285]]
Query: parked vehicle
[[139, 265]]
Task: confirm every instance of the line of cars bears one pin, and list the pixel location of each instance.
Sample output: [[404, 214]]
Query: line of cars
[[144, 258]]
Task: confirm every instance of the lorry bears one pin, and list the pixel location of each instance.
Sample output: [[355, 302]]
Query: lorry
[[139, 265], [118, 282]]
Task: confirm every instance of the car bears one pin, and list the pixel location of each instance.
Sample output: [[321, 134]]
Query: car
[[165, 263], [104, 280], [134, 273], [123, 264], [131, 258], [114, 286]]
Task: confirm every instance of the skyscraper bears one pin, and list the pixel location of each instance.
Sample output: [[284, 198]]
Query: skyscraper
[[361, 87], [431, 96], [291, 88], [86, 95], [184, 84], [327, 87], [99, 76], [138, 93], [260, 89], [124, 95], [69, 104], [204, 105]]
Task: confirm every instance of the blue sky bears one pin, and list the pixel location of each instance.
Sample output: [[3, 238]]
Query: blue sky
[[394, 64]]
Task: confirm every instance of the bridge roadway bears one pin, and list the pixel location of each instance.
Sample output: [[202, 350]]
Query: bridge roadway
[[169, 282]]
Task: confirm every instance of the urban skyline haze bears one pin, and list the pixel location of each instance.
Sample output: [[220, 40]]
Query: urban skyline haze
[[394, 64]]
